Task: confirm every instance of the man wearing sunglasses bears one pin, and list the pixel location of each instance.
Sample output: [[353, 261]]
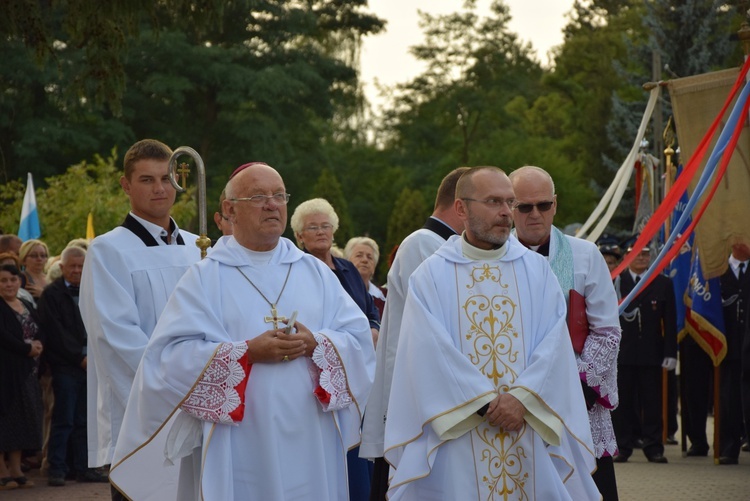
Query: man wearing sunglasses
[[584, 278]]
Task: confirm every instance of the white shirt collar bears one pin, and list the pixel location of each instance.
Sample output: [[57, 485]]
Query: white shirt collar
[[735, 264], [157, 231]]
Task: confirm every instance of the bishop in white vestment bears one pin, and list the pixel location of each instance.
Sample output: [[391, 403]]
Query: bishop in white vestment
[[235, 426], [479, 325]]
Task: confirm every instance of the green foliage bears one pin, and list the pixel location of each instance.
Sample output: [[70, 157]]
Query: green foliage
[[267, 80], [409, 214], [11, 198], [329, 188]]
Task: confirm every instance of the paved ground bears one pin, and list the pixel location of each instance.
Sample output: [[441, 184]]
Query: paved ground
[[681, 479], [687, 478]]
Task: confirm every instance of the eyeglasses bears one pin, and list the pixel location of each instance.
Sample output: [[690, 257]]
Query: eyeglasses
[[527, 208], [37, 256], [261, 200], [315, 229], [493, 203]]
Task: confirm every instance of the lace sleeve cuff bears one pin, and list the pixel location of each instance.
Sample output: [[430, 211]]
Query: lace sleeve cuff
[[332, 391], [597, 365], [219, 394]]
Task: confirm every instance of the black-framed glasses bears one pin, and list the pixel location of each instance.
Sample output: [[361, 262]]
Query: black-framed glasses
[[527, 208], [261, 200], [493, 203]]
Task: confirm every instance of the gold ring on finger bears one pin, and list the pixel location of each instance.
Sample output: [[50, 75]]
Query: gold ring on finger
[[286, 358]]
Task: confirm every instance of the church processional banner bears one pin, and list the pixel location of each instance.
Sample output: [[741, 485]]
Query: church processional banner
[[695, 102]]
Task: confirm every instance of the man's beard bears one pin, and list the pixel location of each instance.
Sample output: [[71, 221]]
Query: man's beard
[[483, 231]]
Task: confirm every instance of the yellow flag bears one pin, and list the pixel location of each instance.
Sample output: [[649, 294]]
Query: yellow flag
[[90, 227]]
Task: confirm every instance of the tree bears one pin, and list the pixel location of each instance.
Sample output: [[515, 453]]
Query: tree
[[444, 117], [329, 188], [266, 80], [409, 214]]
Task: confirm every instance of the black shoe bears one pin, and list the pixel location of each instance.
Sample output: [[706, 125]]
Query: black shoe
[[671, 440], [620, 458], [728, 460], [56, 481], [92, 476], [695, 452], [746, 447], [657, 458]]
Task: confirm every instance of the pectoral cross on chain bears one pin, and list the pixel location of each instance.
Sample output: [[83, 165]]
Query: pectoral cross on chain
[[275, 318]]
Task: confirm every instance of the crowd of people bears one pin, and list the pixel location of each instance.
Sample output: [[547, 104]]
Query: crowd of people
[[493, 361]]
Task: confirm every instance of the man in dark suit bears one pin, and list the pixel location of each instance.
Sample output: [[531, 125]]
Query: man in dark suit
[[735, 294], [66, 355], [649, 343]]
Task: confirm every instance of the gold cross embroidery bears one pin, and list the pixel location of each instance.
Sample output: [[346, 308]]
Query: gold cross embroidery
[[274, 318]]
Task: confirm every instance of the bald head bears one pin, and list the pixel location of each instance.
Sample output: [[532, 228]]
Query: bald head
[[536, 204], [534, 175], [484, 197], [257, 223]]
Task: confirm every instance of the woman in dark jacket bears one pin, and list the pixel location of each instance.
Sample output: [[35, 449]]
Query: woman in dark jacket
[[20, 394]]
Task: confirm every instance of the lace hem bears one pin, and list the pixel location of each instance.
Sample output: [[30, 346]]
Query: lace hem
[[219, 396], [333, 390], [602, 431], [597, 364]]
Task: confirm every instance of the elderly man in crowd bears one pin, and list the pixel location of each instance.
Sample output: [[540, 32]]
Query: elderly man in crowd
[[66, 355], [592, 308], [264, 407]]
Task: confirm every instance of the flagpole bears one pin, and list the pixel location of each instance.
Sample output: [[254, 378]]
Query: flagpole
[[717, 413]]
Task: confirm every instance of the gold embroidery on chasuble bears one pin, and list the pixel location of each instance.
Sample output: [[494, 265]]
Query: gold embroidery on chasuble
[[489, 318]]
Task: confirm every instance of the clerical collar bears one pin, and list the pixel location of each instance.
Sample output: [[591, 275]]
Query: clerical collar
[[259, 258], [542, 249], [158, 232], [477, 254]]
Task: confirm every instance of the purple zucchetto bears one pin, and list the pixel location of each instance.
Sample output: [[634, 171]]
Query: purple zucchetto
[[245, 166]]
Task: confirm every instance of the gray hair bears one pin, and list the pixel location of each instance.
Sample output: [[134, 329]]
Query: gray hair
[[310, 207], [72, 251], [355, 241]]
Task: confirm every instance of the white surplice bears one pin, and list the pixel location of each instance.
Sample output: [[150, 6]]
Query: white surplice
[[288, 444], [415, 248], [597, 363], [473, 328], [124, 288]]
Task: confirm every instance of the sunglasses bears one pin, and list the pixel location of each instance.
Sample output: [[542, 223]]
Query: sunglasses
[[527, 208]]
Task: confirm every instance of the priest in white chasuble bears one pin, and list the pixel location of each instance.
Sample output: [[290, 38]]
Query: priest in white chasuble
[[244, 406], [486, 402]]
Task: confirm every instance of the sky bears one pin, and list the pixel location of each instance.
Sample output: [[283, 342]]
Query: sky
[[385, 57]]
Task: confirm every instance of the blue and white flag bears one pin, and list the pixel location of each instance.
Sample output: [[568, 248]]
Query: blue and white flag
[[29, 227]]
